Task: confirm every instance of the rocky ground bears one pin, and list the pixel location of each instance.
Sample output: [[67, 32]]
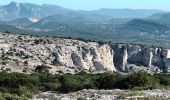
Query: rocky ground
[[106, 95], [81, 95]]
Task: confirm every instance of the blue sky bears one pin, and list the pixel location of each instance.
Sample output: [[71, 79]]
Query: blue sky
[[97, 4]]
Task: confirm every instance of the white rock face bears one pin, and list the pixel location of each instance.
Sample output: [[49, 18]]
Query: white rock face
[[136, 58], [23, 53], [65, 55]]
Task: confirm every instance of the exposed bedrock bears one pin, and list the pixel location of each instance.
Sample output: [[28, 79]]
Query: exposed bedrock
[[131, 57], [20, 52]]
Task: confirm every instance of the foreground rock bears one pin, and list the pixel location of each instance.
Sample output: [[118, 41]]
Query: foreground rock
[[106, 95], [81, 95], [23, 53]]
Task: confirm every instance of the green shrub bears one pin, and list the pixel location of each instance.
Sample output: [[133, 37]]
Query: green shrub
[[51, 86], [8, 96], [12, 82], [140, 79], [71, 83], [107, 81], [164, 79], [48, 82], [41, 69], [24, 92], [15, 85]]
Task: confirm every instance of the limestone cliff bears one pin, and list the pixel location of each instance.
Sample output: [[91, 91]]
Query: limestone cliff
[[137, 57], [22, 53]]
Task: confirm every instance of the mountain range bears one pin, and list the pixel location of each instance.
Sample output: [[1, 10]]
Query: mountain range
[[118, 25], [25, 10]]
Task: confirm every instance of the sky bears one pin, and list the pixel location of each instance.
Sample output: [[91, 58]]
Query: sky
[[97, 4]]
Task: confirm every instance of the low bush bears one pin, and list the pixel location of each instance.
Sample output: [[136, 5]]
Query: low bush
[[141, 79], [15, 85]]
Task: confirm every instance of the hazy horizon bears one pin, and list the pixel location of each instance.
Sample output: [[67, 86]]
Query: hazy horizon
[[96, 4]]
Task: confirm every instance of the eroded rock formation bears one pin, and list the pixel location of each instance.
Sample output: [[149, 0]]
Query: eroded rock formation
[[23, 53]]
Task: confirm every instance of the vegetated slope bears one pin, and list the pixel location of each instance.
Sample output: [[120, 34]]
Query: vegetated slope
[[144, 31], [1, 21], [118, 21], [161, 18], [140, 26], [140, 31], [5, 27], [72, 23], [23, 21]]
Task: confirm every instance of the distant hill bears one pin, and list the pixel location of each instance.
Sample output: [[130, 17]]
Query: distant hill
[[124, 13], [161, 17], [142, 27], [72, 23], [2, 22]]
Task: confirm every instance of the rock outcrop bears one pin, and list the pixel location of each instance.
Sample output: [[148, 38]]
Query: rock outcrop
[[137, 57], [22, 53]]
